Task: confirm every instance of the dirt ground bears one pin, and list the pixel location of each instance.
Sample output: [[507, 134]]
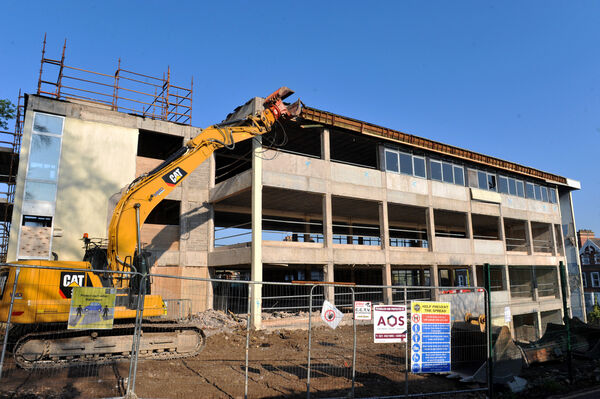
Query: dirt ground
[[277, 369]]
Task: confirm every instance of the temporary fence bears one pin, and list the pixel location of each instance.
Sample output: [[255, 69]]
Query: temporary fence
[[37, 310], [263, 339]]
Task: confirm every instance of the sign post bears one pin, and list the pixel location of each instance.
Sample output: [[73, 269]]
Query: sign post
[[430, 337]]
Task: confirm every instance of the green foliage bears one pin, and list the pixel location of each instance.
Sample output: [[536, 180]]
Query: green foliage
[[7, 112], [594, 315]]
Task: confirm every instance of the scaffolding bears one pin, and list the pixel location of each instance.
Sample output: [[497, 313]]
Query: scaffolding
[[123, 91], [10, 144]]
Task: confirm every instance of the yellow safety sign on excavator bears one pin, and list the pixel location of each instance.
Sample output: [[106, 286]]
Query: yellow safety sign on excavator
[[92, 308]]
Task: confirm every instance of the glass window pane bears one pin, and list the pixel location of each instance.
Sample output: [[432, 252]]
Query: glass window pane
[[502, 185], [36, 191], [544, 194], [552, 193], [482, 178], [512, 187], [436, 170], [472, 175], [520, 189], [459, 175], [391, 161], [419, 166], [447, 172], [491, 182], [530, 191], [43, 161], [44, 123], [406, 164], [538, 192]]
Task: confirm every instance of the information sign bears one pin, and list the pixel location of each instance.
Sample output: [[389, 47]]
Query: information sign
[[430, 337], [92, 308], [362, 310], [389, 323]]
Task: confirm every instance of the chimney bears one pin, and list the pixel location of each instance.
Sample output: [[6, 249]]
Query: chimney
[[583, 236]]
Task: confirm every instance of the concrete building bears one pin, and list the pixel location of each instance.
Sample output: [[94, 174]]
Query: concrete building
[[324, 198]]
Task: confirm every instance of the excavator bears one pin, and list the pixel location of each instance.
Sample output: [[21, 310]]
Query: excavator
[[42, 298]]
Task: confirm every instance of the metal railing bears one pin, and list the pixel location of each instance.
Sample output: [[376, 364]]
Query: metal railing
[[122, 91]]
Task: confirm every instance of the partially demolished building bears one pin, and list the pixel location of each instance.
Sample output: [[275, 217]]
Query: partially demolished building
[[324, 198]]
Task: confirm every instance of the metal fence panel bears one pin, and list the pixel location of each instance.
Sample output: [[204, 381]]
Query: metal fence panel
[[37, 359]]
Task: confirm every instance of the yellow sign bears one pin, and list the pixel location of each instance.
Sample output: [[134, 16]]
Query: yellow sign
[[431, 307], [92, 308]]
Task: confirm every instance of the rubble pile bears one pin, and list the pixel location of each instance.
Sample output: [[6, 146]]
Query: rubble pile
[[215, 321]]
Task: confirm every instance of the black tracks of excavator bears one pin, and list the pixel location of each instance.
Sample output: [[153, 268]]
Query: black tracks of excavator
[[125, 330]]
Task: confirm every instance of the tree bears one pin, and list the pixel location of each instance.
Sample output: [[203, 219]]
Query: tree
[[7, 112]]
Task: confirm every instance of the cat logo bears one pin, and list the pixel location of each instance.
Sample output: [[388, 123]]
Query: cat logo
[[174, 176], [68, 280]]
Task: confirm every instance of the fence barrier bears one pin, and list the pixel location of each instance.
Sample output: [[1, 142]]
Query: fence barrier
[[262, 339]]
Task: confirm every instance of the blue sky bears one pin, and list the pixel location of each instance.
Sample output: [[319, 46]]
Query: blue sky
[[516, 80]]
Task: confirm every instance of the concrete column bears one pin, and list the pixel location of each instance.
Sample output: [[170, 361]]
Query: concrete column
[[434, 281], [327, 221], [507, 279], [329, 277], [553, 237], [325, 148], [256, 273], [469, 226], [473, 279], [385, 245], [529, 237], [430, 229]]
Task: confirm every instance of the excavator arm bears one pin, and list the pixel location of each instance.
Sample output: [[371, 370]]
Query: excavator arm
[[148, 190]]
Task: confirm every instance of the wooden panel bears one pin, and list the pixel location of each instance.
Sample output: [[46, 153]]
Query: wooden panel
[[35, 241]]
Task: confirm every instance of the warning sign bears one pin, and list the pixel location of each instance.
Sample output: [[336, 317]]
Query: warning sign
[[331, 315], [92, 308], [362, 310], [389, 323], [430, 333]]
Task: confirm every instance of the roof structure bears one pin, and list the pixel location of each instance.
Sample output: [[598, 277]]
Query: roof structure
[[331, 119]]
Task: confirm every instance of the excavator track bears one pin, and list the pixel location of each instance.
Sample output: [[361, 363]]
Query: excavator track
[[67, 348]]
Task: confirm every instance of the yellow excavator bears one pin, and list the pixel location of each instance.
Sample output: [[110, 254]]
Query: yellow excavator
[[42, 297]]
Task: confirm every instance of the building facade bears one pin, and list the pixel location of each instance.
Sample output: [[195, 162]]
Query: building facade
[[589, 252], [323, 198]]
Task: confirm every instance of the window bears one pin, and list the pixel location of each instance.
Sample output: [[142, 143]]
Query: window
[[529, 190], [436, 170], [405, 163], [552, 195], [40, 186], [419, 169], [391, 161], [406, 166], [512, 187], [585, 259], [482, 180], [538, 192], [472, 177], [447, 172], [595, 279], [544, 194], [520, 189], [503, 185], [583, 279]]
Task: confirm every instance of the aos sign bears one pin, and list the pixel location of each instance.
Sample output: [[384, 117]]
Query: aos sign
[[389, 323]]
